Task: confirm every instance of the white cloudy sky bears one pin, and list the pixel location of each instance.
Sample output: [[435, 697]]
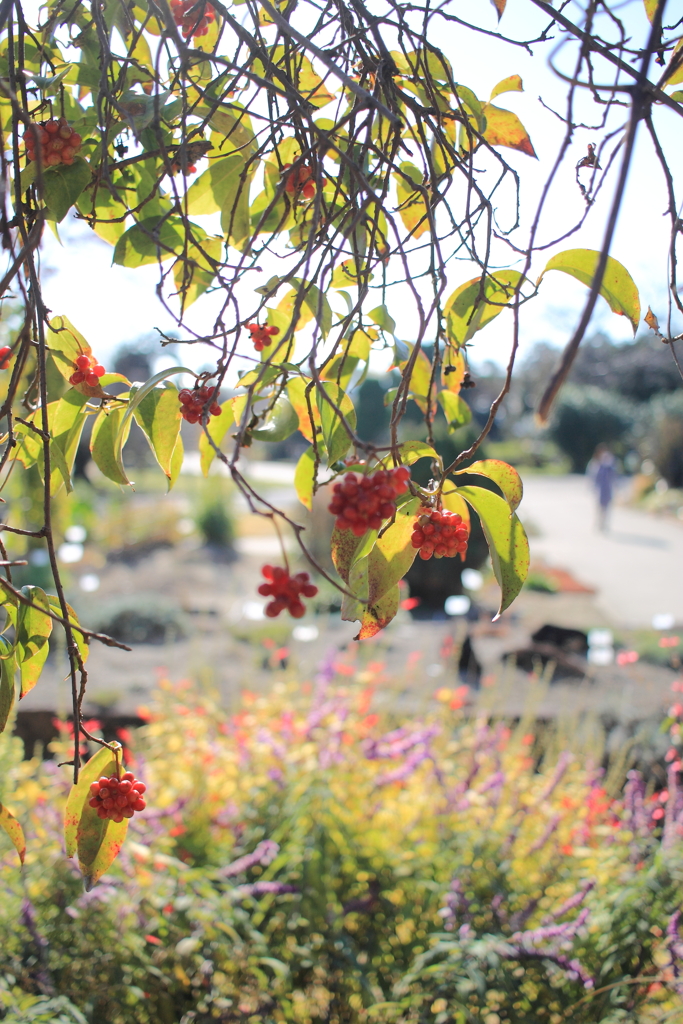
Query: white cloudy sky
[[111, 304]]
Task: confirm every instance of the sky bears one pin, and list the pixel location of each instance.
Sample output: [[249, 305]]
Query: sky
[[111, 305]]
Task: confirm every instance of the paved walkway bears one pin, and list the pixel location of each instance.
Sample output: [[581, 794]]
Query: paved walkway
[[636, 567]]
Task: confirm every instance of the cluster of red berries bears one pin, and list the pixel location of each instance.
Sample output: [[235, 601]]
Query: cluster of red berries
[[299, 180], [193, 17], [192, 403], [88, 371], [361, 503], [262, 336], [440, 533], [286, 591], [57, 141], [116, 798], [5, 353]]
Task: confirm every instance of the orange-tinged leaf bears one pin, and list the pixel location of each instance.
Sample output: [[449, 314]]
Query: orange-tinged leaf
[[513, 83], [376, 617], [652, 321], [618, 287], [507, 541], [500, 7], [504, 128], [94, 860], [102, 763], [420, 378], [305, 406], [14, 830], [390, 558], [675, 75], [504, 476], [650, 8]]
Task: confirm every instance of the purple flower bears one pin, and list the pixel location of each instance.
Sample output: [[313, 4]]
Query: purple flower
[[262, 889], [264, 854]]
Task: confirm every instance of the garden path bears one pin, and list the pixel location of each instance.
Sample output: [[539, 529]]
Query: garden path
[[636, 566]]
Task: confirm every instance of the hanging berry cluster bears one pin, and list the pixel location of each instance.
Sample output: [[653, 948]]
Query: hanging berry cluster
[[361, 503], [286, 591], [440, 533], [192, 403], [299, 181], [87, 371], [58, 143], [192, 17], [262, 336], [116, 798]]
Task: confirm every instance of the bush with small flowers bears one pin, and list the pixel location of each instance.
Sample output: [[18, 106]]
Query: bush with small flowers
[[116, 798], [361, 503], [87, 371], [286, 591], [54, 139], [299, 181], [193, 403], [440, 533], [262, 336], [192, 17]]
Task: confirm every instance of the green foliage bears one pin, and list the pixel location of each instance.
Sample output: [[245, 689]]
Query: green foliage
[[360, 875], [586, 417]]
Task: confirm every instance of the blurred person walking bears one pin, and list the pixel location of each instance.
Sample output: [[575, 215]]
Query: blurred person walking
[[603, 471]]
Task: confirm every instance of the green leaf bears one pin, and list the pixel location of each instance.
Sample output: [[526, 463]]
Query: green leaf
[[348, 274], [335, 434], [137, 397], [456, 410], [66, 420], [504, 476], [391, 558], [412, 207], [345, 549], [513, 83], [33, 630], [280, 423], [176, 461], [63, 184], [304, 478], [217, 428], [153, 240], [420, 385], [380, 316], [410, 452], [618, 287], [158, 415], [14, 830], [7, 685], [473, 305], [109, 434], [217, 187], [503, 128], [194, 273], [97, 841], [318, 304], [507, 541]]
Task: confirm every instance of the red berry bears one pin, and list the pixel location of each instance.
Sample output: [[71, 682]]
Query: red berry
[[92, 379], [261, 335], [440, 533], [362, 503], [117, 799], [286, 591], [98, 370], [77, 377], [5, 352]]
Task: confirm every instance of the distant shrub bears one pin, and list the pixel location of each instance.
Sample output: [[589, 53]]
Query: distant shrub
[[215, 524], [141, 619], [303, 860], [666, 437], [586, 417]]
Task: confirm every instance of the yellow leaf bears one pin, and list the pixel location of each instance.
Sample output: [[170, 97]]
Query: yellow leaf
[[618, 287], [513, 83], [14, 830]]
